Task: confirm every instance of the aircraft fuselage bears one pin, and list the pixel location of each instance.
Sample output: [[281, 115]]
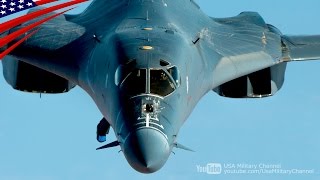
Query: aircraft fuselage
[[146, 75]]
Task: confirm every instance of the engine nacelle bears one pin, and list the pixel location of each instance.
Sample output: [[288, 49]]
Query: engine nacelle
[[25, 77], [263, 83]]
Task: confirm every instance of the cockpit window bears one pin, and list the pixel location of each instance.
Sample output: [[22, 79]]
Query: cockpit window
[[135, 82], [123, 71], [173, 71], [160, 83]]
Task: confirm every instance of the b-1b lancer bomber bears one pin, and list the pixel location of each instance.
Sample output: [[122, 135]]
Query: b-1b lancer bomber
[[147, 63]]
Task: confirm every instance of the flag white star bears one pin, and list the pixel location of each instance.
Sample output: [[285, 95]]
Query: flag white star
[[12, 4], [11, 9], [20, 6], [3, 1], [29, 4], [3, 6], [2, 12], [21, 1]]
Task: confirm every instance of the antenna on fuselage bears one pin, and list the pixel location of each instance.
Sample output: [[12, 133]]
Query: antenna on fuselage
[[147, 16], [95, 37]]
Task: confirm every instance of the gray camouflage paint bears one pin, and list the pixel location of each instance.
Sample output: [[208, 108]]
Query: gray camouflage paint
[[88, 48]]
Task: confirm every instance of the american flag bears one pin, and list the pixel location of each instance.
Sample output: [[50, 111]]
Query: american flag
[[9, 7]]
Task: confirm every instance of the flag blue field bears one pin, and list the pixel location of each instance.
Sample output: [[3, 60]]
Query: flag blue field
[[9, 7]]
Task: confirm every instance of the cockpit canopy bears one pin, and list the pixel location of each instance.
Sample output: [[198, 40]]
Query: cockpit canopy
[[160, 81]]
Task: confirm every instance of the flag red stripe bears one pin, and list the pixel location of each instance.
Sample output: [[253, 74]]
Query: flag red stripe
[[15, 22], [8, 50], [19, 32], [41, 2]]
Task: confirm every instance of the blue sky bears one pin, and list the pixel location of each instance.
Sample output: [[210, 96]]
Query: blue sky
[[53, 138]]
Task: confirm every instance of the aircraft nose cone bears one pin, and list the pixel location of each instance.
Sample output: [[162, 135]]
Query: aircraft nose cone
[[146, 150]]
